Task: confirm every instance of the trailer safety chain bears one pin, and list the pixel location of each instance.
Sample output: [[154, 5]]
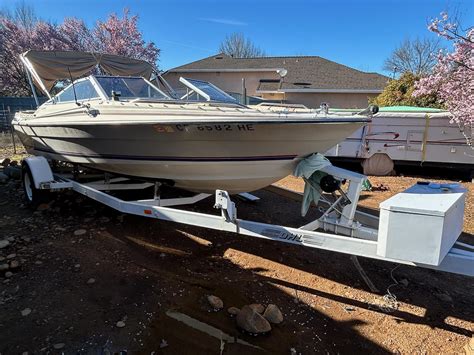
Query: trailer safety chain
[[390, 303]]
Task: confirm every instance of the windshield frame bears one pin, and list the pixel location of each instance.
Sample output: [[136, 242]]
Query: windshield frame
[[101, 95], [200, 92], [165, 97]]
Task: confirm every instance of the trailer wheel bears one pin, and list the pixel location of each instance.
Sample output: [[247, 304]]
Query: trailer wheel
[[33, 196]]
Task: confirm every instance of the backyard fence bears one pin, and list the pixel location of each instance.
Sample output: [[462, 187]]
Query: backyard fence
[[10, 105]]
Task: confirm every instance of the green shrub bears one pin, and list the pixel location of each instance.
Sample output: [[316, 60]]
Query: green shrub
[[398, 92]]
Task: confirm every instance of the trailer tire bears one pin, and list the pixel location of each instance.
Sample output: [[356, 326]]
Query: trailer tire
[[33, 197]]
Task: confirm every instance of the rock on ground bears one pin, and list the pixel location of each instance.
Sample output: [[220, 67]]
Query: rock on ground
[[4, 243], [3, 178], [43, 207], [25, 312], [257, 307], [273, 314], [163, 344], [215, 302], [444, 297], [233, 311], [120, 324], [252, 322]]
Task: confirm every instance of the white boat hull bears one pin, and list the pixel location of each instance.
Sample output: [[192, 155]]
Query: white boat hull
[[237, 157]]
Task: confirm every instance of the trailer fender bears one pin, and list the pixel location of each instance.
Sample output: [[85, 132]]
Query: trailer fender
[[40, 170]]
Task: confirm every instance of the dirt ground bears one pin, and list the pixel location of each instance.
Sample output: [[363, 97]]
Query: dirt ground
[[83, 267], [394, 185]]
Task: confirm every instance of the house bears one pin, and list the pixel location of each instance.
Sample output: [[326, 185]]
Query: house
[[309, 80]]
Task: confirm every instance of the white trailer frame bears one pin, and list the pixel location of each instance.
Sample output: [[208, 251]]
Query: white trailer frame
[[350, 236]]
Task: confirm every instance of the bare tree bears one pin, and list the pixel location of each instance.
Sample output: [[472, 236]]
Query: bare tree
[[414, 56], [25, 15], [237, 46], [22, 13]]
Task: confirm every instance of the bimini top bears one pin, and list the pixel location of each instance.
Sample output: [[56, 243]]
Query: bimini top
[[47, 67]]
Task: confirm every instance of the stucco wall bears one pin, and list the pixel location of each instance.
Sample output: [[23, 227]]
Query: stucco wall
[[232, 82], [334, 100]]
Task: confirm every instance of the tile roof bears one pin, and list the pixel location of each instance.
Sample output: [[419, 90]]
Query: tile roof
[[304, 72]]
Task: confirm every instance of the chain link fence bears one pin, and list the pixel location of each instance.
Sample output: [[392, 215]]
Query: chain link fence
[[10, 105]]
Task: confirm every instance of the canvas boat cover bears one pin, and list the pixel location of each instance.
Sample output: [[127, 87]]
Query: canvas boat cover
[[47, 67]]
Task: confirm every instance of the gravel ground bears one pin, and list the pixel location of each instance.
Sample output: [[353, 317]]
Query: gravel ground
[[92, 280]]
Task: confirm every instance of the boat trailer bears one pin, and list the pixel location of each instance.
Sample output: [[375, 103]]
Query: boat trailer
[[418, 227]]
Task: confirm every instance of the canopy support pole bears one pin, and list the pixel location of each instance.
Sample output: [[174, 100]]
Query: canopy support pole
[[31, 71], [28, 74]]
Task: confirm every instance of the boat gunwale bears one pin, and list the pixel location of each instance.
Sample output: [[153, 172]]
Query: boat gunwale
[[29, 123]]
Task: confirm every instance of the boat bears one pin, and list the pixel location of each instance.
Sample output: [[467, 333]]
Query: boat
[[131, 124], [405, 135]]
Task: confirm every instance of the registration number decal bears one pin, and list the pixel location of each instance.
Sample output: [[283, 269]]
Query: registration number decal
[[217, 127], [163, 128]]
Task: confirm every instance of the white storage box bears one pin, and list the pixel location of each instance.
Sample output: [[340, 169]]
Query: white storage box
[[422, 223]]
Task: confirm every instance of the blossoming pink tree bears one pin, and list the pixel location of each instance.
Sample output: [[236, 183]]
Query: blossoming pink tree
[[115, 35], [16, 38], [122, 36], [452, 78]]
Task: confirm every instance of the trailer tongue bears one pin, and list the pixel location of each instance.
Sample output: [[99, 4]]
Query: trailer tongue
[[418, 227]]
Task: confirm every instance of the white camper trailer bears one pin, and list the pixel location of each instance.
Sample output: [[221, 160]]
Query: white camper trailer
[[407, 135]]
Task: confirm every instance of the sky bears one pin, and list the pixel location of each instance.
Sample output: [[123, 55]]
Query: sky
[[360, 34]]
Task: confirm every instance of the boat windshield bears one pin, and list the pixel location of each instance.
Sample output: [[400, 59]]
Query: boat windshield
[[201, 88], [130, 88]]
